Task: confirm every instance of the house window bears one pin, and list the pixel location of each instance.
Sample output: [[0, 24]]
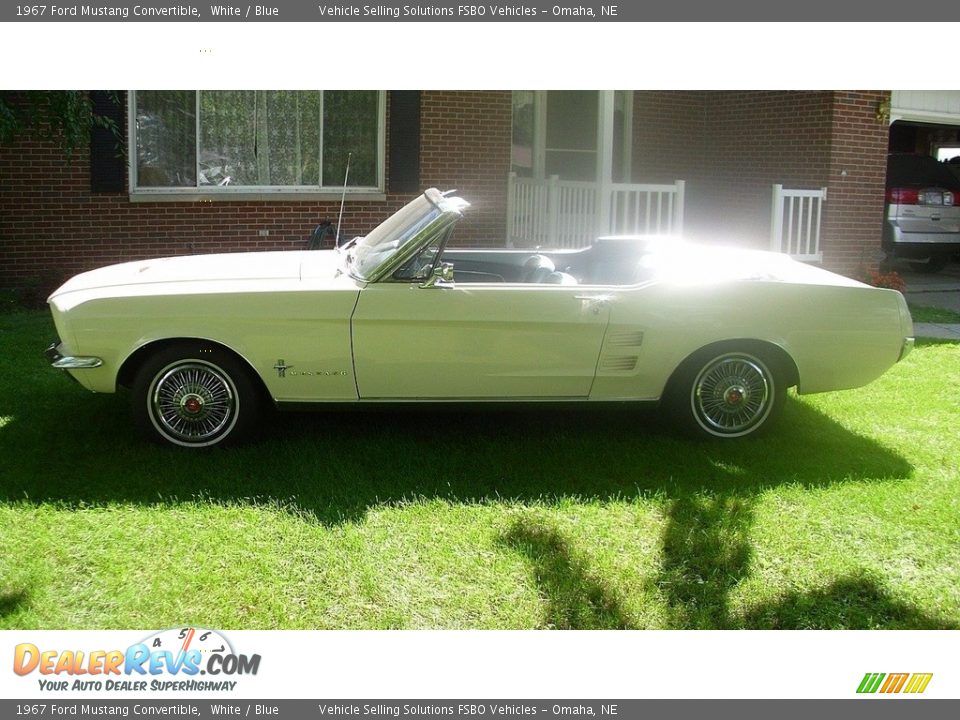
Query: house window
[[259, 141]]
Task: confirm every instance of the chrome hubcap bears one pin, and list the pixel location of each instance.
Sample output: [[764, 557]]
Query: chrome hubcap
[[732, 394], [192, 402]]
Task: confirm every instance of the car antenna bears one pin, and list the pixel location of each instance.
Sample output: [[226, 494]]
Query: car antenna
[[343, 197]]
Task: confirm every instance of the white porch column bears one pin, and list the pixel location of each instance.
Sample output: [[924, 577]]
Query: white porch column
[[605, 159]]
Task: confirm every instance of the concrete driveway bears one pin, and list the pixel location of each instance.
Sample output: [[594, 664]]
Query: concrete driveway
[[941, 290]]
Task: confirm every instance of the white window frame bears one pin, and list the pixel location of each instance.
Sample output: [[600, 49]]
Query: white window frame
[[252, 192]]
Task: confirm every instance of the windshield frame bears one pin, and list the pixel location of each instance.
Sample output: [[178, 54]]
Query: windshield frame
[[410, 229]]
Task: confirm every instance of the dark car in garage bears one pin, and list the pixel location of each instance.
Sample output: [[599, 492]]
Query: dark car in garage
[[922, 218]]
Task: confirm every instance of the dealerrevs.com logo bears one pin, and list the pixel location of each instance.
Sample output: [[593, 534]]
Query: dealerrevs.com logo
[[167, 660]]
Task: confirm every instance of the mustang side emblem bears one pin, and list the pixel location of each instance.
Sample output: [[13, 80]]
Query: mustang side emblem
[[281, 367]]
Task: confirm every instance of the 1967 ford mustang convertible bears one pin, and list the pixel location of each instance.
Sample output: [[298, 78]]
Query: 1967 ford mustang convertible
[[714, 335]]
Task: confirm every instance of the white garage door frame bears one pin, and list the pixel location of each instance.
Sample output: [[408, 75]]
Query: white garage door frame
[[940, 107]]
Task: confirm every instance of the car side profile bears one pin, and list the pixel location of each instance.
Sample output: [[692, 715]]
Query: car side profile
[[714, 335]]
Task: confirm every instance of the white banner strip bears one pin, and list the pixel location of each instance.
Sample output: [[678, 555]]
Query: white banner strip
[[456, 664]]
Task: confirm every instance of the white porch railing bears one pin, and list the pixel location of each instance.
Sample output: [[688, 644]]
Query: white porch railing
[[795, 222], [569, 214]]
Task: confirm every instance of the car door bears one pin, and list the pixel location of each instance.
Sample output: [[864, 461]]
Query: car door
[[477, 340]]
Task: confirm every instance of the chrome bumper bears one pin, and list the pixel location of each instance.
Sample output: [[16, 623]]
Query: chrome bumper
[[906, 348], [58, 360]]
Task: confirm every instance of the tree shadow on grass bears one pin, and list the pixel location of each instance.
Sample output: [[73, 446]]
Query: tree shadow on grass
[[13, 601], [706, 554], [575, 600], [855, 601]]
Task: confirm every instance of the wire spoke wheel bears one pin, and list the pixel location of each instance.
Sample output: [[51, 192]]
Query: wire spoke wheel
[[732, 395], [192, 402]]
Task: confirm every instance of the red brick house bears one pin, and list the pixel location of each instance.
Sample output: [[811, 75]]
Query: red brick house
[[230, 171]]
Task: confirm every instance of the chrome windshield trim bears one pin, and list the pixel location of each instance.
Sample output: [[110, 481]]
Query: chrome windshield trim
[[450, 211], [436, 229]]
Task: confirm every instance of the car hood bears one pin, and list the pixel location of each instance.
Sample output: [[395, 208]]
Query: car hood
[[252, 266]]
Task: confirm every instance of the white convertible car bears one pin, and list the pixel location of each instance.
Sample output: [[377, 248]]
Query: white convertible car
[[715, 335]]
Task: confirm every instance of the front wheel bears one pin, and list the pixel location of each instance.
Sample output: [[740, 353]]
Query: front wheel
[[194, 396], [726, 394]]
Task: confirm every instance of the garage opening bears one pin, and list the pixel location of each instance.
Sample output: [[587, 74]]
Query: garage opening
[[922, 209]]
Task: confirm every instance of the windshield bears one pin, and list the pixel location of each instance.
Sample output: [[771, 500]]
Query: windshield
[[393, 235]]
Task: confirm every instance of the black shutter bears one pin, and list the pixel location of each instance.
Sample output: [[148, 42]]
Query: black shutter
[[106, 158], [404, 141]]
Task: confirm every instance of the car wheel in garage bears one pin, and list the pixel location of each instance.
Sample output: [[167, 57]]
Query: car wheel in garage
[[933, 264]]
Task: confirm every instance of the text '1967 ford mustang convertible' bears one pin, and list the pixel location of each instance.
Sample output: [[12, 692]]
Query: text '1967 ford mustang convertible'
[[714, 335]]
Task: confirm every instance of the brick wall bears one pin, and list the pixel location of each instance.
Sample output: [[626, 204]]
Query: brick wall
[[853, 223], [732, 146], [757, 139], [669, 139], [465, 144], [52, 227]]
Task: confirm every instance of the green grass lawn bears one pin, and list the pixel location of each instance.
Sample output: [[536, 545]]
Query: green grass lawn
[[846, 516]]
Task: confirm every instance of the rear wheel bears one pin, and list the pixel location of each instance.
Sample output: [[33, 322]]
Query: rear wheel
[[195, 396], [727, 394]]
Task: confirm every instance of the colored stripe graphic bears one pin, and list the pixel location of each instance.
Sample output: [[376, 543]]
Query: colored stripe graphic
[[894, 683], [870, 682], [918, 683]]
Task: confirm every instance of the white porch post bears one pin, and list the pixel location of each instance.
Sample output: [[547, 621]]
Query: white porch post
[[607, 111], [776, 219], [677, 219], [511, 207], [553, 208], [539, 134]]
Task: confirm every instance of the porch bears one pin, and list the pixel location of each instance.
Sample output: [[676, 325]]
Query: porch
[[590, 163], [570, 214], [704, 164]]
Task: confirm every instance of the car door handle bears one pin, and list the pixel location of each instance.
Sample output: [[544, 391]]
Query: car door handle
[[594, 302]]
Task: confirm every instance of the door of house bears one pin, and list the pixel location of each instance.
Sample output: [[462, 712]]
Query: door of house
[[573, 134]]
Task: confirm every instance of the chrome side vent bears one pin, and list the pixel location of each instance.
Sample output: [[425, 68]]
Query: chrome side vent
[[625, 338], [619, 364]]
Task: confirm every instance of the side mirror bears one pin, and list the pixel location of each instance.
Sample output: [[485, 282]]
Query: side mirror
[[442, 275]]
